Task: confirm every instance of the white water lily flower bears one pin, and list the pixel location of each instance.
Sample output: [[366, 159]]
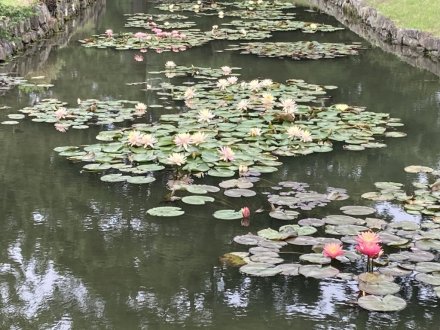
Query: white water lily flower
[[190, 93], [294, 131], [289, 106], [226, 70], [182, 140], [255, 131], [222, 84], [135, 139], [243, 105], [301, 134], [306, 136], [254, 85], [221, 14], [205, 115], [148, 140], [198, 138], [267, 99], [176, 159], [232, 80], [226, 154], [266, 83], [243, 32], [170, 65]]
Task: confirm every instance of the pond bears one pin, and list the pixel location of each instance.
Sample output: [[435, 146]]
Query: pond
[[77, 252]]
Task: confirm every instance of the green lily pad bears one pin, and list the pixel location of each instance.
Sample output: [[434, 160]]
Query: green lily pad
[[228, 214], [118, 177], [432, 279], [418, 169], [197, 200], [272, 234], [379, 288], [260, 269], [284, 214], [357, 210], [166, 211], [382, 304], [248, 239], [140, 179], [317, 271], [316, 258], [428, 267], [239, 193], [289, 269]]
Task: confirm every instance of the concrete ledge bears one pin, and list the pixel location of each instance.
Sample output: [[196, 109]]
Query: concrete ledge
[[43, 24]]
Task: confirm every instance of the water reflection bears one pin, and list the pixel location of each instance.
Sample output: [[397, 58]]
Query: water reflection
[[80, 253]]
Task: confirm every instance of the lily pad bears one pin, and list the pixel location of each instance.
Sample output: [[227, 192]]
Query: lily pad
[[316, 258], [382, 304], [240, 193], [357, 210], [227, 215], [428, 267], [197, 200], [317, 271], [284, 214], [260, 269], [432, 279], [418, 169], [379, 288], [166, 211]]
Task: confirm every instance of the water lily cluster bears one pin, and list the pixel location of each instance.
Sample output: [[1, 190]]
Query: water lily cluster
[[232, 123]]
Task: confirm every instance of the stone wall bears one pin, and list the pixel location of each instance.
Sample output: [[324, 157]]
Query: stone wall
[[385, 29], [44, 23]]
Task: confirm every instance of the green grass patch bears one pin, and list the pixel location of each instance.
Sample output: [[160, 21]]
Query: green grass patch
[[17, 3], [16, 11], [422, 15]]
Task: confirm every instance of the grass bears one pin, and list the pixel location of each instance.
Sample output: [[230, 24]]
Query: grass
[[17, 3], [422, 15]]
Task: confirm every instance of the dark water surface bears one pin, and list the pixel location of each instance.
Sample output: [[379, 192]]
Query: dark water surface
[[79, 253]]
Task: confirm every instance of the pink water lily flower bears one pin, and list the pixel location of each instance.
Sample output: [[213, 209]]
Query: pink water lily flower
[[61, 113], [138, 58], [109, 33], [333, 250], [226, 154], [245, 212], [371, 250]]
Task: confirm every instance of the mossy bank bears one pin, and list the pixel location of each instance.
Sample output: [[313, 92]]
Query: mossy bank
[[29, 24]]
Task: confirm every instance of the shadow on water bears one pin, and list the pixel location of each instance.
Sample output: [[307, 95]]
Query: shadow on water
[[80, 253]]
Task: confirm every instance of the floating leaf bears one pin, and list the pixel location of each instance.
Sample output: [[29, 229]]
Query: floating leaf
[[379, 288], [140, 179], [289, 269], [418, 169], [316, 258], [260, 269], [357, 210], [197, 200], [227, 214], [240, 193], [427, 267], [284, 214], [382, 304], [166, 211], [248, 239], [272, 234], [317, 271]]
